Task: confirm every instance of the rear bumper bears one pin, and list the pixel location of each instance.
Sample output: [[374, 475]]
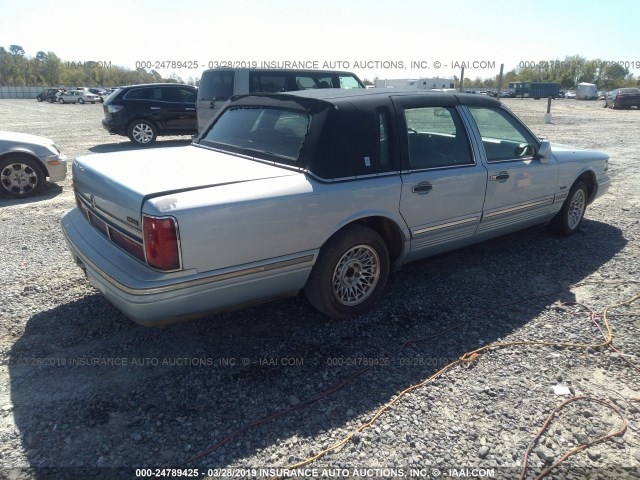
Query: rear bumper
[[112, 127], [152, 298]]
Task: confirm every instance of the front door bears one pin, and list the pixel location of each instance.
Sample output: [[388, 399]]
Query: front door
[[521, 187]]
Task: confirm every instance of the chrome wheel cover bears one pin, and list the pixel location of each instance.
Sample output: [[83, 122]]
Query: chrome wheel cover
[[356, 275], [576, 209], [142, 133], [19, 178]]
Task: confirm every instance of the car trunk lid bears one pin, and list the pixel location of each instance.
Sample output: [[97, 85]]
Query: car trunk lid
[[116, 185]]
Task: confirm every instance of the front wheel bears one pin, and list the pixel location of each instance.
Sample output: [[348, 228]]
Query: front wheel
[[568, 220], [350, 273], [21, 177], [142, 132]]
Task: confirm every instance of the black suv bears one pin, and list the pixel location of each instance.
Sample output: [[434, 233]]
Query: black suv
[[142, 112]]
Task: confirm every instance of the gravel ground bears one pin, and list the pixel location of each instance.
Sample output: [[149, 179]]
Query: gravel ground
[[81, 386]]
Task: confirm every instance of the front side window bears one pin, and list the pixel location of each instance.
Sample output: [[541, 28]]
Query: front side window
[[271, 133], [436, 138], [503, 136]]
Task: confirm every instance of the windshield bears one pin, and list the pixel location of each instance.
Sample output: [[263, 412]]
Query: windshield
[[260, 131]]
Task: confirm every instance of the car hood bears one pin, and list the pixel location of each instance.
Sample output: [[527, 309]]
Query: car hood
[[118, 184], [567, 153], [24, 138]]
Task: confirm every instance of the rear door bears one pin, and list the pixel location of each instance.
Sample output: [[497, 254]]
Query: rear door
[[178, 105], [443, 181], [521, 188]]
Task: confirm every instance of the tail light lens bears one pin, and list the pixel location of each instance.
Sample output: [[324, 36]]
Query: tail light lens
[[161, 242], [114, 108]]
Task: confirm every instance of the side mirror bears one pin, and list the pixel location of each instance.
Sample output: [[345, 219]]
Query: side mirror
[[544, 152]]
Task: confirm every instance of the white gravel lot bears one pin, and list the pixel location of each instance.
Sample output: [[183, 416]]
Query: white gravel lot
[[86, 393]]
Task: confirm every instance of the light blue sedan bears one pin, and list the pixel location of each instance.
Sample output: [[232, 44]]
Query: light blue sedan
[[322, 191]]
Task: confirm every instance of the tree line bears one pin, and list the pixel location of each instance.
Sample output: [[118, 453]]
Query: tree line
[[47, 69], [569, 72]]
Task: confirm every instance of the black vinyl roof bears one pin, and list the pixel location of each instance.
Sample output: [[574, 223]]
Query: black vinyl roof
[[372, 95]]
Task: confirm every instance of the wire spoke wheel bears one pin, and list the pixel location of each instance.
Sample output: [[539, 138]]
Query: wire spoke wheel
[[356, 275], [576, 209]]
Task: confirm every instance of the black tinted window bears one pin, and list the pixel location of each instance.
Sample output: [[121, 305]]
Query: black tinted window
[[216, 85], [267, 82], [142, 94], [179, 94]]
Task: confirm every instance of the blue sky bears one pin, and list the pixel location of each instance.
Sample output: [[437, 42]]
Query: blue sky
[[384, 38]]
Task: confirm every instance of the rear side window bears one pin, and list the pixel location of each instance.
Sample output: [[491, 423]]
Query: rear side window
[[148, 93], [179, 94], [436, 138], [216, 85], [267, 82]]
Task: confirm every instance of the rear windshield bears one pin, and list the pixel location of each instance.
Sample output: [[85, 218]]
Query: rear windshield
[[269, 133]]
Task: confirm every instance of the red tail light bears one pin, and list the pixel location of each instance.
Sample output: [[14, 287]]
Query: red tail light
[[161, 242]]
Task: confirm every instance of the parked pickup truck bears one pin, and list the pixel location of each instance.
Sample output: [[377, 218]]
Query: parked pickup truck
[[323, 191]]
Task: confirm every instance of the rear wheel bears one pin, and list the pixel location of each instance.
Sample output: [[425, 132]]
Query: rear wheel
[[568, 220], [60, 100], [21, 177], [142, 132], [81, 100], [350, 273], [50, 99]]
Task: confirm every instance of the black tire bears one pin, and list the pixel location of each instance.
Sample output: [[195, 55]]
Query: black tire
[[568, 220], [81, 101], [142, 132], [50, 99], [21, 177], [39, 98], [350, 273], [60, 100]]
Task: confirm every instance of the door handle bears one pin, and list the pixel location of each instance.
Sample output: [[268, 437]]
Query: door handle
[[422, 188], [500, 177], [154, 108], [190, 109], [212, 104]]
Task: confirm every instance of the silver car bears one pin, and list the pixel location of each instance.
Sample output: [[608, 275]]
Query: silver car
[[25, 163], [323, 191], [78, 96]]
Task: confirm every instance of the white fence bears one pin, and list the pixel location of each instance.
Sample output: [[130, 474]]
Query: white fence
[[20, 92]]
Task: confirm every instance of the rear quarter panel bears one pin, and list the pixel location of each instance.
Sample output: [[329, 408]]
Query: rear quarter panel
[[240, 223]]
